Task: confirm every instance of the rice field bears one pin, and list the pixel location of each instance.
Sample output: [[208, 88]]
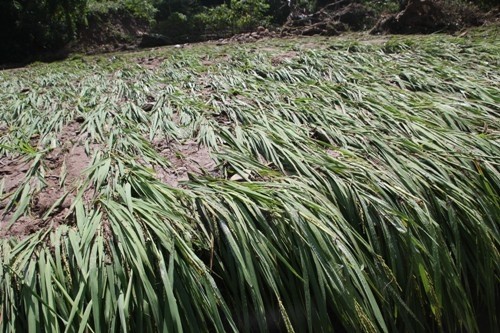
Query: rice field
[[289, 185]]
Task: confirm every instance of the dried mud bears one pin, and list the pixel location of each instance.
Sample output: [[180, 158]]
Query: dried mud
[[151, 62], [53, 190], [62, 170], [185, 158]]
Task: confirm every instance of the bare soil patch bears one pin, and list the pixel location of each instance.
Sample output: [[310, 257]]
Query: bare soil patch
[[150, 62], [283, 57], [209, 60], [53, 188], [185, 158]]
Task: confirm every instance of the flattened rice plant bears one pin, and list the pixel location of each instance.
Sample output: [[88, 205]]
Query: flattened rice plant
[[349, 186]]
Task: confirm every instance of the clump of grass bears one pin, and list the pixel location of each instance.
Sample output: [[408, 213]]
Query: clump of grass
[[358, 190]]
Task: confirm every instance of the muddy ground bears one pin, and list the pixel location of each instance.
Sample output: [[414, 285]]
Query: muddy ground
[[64, 170]]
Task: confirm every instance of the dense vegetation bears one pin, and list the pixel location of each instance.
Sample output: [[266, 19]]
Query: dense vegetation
[[351, 186], [30, 28]]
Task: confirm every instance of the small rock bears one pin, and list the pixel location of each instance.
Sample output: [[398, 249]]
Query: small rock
[[243, 176], [147, 107]]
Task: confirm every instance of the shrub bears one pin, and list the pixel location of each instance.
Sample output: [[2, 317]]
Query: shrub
[[217, 20], [29, 27], [249, 14], [238, 17], [178, 27], [142, 9]]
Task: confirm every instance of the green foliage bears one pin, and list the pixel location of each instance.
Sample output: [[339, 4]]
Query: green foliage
[[178, 27], [381, 6], [238, 16], [249, 14], [28, 27], [378, 6], [178, 23], [222, 20], [218, 20], [142, 9], [355, 187], [167, 7]]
